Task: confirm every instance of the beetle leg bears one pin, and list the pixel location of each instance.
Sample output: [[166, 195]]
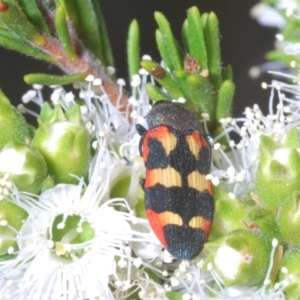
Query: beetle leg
[[141, 131], [142, 183]]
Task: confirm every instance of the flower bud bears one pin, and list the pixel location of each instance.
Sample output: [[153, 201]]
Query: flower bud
[[288, 219], [11, 215], [278, 173], [266, 222], [13, 126], [48, 183], [241, 258], [26, 167], [230, 214], [64, 142], [291, 271]]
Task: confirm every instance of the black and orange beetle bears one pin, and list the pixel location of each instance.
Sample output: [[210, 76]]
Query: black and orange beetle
[[179, 199]]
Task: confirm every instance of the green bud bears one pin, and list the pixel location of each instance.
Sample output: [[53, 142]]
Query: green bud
[[230, 214], [13, 126], [241, 258], [26, 167], [288, 219], [174, 295], [155, 93], [290, 265], [64, 142], [278, 173], [13, 215], [265, 221], [47, 184], [292, 138]]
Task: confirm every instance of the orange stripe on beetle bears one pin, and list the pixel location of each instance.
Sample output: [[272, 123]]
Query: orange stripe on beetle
[[168, 176], [195, 142], [163, 135], [198, 181], [178, 197]]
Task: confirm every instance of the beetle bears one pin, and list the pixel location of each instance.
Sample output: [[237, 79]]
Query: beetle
[[178, 198]]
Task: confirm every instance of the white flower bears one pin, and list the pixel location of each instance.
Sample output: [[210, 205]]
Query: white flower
[[69, 244], [236, 167], [267, 15]]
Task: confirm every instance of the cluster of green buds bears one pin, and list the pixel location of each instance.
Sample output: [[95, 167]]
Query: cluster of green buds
[[193, 74], [58, 151], [244, 230]]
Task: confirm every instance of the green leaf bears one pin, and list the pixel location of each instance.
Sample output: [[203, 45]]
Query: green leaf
[[155, 93], [225, 98], [188, 93], [175, 55], [227, 73], [184, 35], [108, 59], [33, 14], [63, 32], [88, 28], [212, 40], [163, 78], [13, 19], [201, 92], [46, 79], [3, 98], [71, 10], [11, 41], [133, 49], [196, 44], [204, 20], [163, 49]]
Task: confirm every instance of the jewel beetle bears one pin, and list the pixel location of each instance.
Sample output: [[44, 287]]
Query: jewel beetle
[[178, 198]]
